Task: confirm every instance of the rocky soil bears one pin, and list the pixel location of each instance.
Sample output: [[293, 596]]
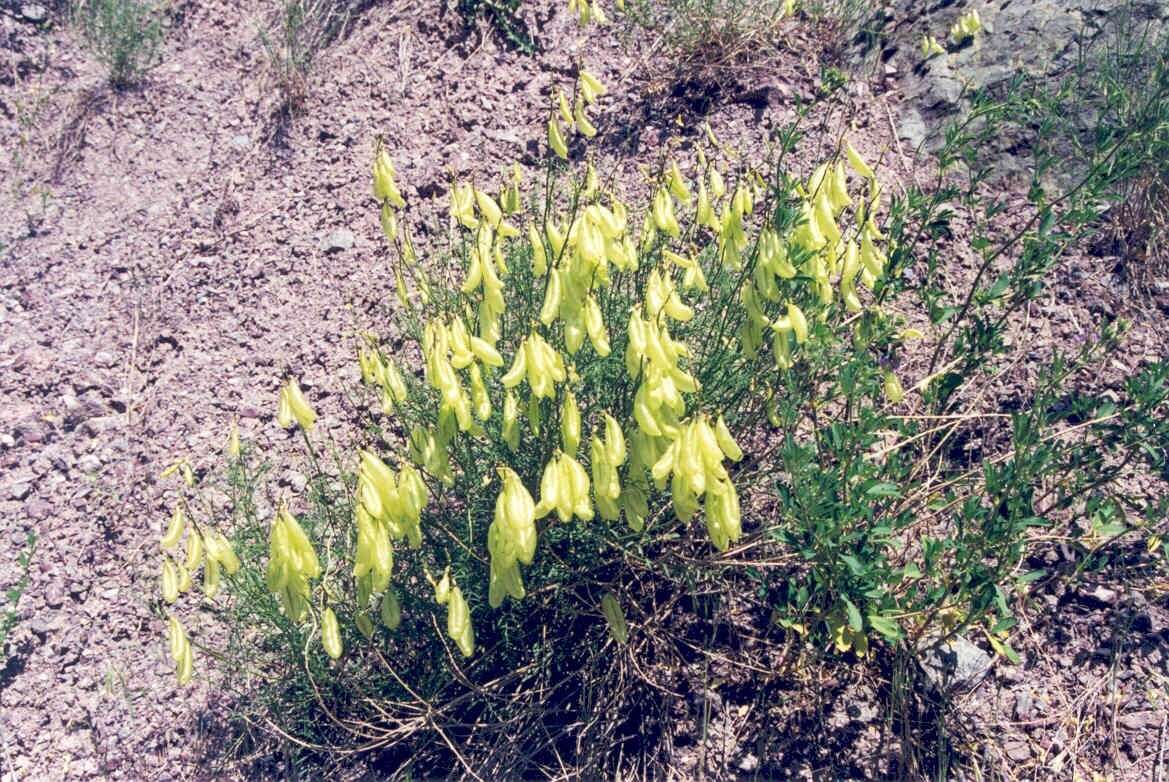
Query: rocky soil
[[169, 251]]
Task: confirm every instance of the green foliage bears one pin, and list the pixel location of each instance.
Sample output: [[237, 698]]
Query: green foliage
[[294, 36], [11, 615], [704, 36], [892, 489], [125, 36], [503, 17], [1121, 92]]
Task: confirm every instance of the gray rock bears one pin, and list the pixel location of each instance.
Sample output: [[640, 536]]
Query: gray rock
[[32, 12], [1024, 705], [1017, 751], [241, 142], [1044, 38], [955, 665], [19, 491], [1098, 596], [89, 463], [337, 241]]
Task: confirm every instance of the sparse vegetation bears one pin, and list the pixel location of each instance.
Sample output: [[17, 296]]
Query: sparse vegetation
[[708, 39], [503, 16], [295, 35], [10, 613], [124, 35]]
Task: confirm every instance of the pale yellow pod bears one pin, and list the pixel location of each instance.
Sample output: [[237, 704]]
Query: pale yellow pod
[[726, 442], [488, 208], [563, 107], [301, 410], [194, 551], [510, 430], [893, 390], [539, 254], [233, 447], [518, 371], [799, 323], [552, 299], [583, 125], [330, 633], [186, 665], [590, 86], [174, 530], [556, 139], [569, 424], [857, 162], [486, 354], [211, 577], [677, 183], [459, 622], [170, 580], [176, 637]]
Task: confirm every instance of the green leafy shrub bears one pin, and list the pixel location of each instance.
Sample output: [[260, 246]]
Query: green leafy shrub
[[743, 399], [503, 16], [125, 36]]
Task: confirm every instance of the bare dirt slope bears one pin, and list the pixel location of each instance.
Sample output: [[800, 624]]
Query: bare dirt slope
[[170, 251]]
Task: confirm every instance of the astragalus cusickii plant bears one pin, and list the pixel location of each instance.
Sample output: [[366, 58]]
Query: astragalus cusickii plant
[[616, 416]]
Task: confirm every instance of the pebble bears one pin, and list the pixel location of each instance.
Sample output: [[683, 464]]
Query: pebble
[[1017, 751], [336, 241], [89, 463], [19, 491], [1098, 596], [34, 12]]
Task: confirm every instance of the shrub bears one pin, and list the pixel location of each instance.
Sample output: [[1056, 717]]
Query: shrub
[[293, 37], [636, 426], [504, 18], [704, 37], [124, 35], [10, 616]]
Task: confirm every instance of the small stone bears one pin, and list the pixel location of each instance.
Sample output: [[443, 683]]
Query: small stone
[[241, 142], [1017, 751], [54, 596], [7, 440], [337, 241], [89, 463], [1098, 596], [19, 491], [956, 664], [298, 480], [32, 12], [1024, 705]]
